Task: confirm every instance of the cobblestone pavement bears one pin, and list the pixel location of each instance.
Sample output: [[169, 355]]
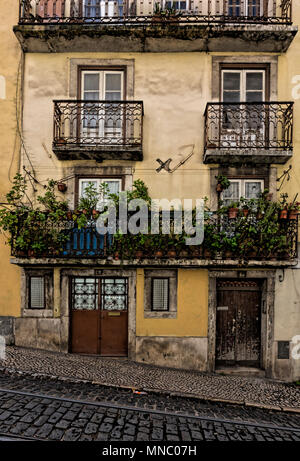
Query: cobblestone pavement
[[120, 372], [44, 409]]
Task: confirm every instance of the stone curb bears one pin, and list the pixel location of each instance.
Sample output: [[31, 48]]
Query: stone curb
[[152, 390]]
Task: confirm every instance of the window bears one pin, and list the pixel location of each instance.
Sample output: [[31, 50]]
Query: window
[[177, 4], [99, 8], [243, 124], [36, 293], [160, 294], [100, 120], [247, 188], [244, 8], [245, 85], [114, 185]]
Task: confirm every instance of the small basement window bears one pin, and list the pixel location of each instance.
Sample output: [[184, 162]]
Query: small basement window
[[37, 293], [160, 294]]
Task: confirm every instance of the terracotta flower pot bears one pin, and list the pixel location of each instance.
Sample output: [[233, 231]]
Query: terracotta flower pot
[[62, 187], [219, 187], [245, 212], [139, 254], [171, 253], [283, 214], [293, 215], [95, 213], [158, 254], [232, 213], [69, 215]]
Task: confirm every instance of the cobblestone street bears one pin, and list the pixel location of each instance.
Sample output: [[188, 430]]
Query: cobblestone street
[[41, 409], [121, 372]]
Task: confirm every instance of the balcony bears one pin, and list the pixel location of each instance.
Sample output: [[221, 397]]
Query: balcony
[[212, 25], [98, 130], [249, 133]]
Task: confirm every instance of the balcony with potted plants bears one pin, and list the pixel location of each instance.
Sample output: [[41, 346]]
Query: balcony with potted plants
[[256, 232], [75, 25]]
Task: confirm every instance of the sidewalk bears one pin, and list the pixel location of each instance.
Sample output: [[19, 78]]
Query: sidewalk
[[253, 391]]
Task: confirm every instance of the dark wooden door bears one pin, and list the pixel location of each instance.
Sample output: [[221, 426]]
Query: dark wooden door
[[99, 316], [238, 323]]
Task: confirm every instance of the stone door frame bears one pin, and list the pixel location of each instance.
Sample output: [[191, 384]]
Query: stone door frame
[[267, 309], [66, 275]]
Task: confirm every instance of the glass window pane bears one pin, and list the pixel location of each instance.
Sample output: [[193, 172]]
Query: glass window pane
[[160, 294], [231, 81], [254, 96], [37, 287], [232, 193], [113, 82], [113, 96], [252, 189], [91, 96], [231, 96], [254, 81], [85, 184], [91, 82]]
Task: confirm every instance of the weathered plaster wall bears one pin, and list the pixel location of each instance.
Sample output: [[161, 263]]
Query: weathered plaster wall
[[192, 307], [287, 322], [10, 55]]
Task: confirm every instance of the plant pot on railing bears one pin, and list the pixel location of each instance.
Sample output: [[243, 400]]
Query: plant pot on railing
[[171, 253], [283, 214], [158, 254], [233, 212], [60, 141], [139, 254], [293, 214]]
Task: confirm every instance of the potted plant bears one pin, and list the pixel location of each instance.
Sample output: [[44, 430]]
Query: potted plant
[[62, 187], [222, 183], [233, 210], [293, 210]]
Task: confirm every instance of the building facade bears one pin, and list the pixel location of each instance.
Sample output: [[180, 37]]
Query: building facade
[[214, 87]]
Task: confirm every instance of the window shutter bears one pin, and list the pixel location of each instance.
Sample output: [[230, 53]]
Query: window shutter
[[160, 294], [37, 292]]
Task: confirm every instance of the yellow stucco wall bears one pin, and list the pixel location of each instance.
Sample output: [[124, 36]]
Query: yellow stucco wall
[[192, 307], [10, 55]]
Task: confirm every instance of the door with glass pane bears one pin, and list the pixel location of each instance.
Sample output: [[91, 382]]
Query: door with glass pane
[[102, 122], [99, 316], [243, 125]]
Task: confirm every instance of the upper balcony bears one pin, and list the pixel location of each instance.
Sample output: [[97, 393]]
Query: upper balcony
[[212, 25], [252, 133], [98, 130]]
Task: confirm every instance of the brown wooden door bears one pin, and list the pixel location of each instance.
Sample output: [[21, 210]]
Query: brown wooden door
[[99, 317], [114, 316], [238, 323]]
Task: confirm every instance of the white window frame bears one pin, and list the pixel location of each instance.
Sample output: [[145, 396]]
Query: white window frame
[[98, 182], [244, 8], [178, 1], [113, 5], [242, 188], [232, 135], [101, 131]]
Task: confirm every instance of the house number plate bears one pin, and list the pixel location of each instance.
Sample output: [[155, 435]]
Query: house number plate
[[222, 308]]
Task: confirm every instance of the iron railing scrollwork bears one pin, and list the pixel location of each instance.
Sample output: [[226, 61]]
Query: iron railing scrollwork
[[255, 125], [98, 123], [133, 12]]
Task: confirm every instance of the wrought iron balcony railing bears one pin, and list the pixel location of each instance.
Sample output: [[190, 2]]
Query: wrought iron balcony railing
[[98, 125], [257, 127], [64, 239], [138, 13]]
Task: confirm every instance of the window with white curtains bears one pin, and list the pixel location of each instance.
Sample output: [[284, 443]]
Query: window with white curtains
[[113, 186], [247, 188]]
